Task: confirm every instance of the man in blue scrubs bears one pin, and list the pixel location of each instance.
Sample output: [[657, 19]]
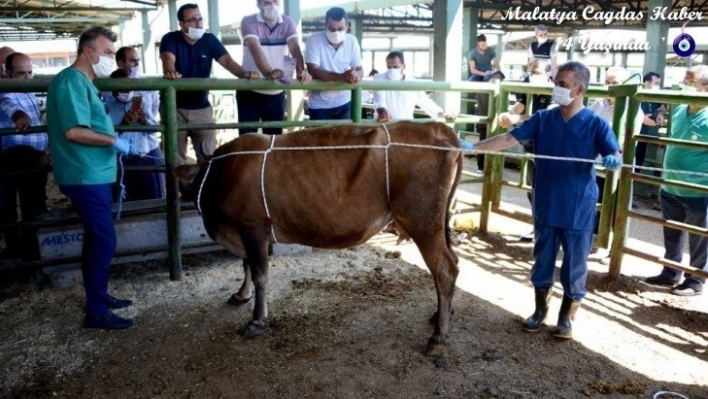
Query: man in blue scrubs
[[564, 192]]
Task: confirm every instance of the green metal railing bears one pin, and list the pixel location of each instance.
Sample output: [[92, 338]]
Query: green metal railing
[[628, 176], [170, 125]]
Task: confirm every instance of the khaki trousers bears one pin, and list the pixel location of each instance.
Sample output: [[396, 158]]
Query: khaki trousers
[[208, 137]]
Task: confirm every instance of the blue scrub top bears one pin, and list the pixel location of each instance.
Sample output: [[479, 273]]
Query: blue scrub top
[[565, 192]]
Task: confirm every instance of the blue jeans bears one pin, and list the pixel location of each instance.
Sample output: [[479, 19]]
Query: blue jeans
[[341, 112], [94, 206], [689, 210], [256, 107], [574, 268]]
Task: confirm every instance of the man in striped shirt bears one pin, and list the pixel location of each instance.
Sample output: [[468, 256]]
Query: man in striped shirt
[[21, 152], [268, 37]]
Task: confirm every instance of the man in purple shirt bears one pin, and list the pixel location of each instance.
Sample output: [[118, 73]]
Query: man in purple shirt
[[268, 37]]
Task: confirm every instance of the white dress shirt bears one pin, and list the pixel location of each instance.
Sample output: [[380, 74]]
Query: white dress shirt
[[400, 104]]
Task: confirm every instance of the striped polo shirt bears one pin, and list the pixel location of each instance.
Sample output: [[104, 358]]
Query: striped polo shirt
[[273, 42]]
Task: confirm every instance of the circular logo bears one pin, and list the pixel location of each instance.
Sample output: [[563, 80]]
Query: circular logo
[[684, 45]]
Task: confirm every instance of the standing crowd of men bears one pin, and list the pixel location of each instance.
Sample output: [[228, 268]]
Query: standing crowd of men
[[86, 149]]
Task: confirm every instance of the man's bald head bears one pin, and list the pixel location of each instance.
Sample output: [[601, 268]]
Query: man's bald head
[[18, 66], [4, 52]]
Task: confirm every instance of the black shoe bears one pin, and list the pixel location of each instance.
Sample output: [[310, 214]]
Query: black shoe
[[107, 321], [115, 303], [685, 289], [661, 280]]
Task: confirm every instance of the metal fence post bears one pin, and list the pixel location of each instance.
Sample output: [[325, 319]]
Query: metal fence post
[[356, 105], [174, 229]]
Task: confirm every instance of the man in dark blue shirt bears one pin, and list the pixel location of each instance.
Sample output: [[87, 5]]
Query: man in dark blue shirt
[[188, 53], [653, 117]]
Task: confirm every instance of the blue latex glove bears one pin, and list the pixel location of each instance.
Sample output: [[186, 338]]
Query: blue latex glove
[[466, 145], [612, 162], [122, 146]]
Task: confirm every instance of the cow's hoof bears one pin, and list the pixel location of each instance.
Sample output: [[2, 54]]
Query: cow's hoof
[[253, 329], [237, 300], [435, 349]]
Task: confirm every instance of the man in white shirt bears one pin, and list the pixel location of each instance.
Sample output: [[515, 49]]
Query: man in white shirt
[[333, 56], [401, 104]]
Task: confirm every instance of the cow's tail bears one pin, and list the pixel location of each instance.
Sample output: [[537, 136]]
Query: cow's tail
[[458, 175]]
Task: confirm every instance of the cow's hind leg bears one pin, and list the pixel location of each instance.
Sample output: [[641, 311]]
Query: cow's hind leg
[[256, 245], [442, 263], [246, 291]]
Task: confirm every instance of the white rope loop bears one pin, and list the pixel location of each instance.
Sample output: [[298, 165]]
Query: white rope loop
[[388, 178], [265, 202], [122, 193]]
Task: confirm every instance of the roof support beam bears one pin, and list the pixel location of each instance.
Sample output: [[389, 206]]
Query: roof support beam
[[447, 40], [657, 32], [74, 9]]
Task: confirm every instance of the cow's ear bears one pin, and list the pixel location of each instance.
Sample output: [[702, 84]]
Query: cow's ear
[[186, 173]]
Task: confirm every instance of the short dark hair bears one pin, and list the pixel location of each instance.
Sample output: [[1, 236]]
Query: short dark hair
[[482, 38], [11, 59], [394, 54], [120, 54], [581, 73], [188, 6], [650, 76], [88, 37], [120, 73], [335, 14]]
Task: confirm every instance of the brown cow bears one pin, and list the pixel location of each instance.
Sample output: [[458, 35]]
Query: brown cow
[[333, 198]]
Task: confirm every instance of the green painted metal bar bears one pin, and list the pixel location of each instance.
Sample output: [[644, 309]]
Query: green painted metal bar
[[670, 141], [609, 188], [174, 224], [672, 97], [658, 181], [356, 105], [40, 84], [624, 195]]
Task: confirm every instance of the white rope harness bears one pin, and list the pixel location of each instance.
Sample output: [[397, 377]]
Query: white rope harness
[[265, 202], [390, 144], [122, 193]]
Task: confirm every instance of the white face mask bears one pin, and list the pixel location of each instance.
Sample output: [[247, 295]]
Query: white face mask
[[104, 67], [271, 12], [561, 96], [690, 88], [124, 97], [195, 33], [336, 37], [657, 87], [136, 72], [541, 40], [394, 74]]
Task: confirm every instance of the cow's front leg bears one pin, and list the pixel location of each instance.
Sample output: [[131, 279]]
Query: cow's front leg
[[246, 291], [257, 251]]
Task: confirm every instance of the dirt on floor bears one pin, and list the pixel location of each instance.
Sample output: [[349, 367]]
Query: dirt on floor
[[349, 324]]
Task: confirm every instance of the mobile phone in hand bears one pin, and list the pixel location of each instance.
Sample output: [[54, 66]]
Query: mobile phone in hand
[[137, 103]]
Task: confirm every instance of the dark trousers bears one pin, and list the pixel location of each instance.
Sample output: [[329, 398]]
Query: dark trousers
[[482, 130], [640, 154], [574, 268], [141, 184], [342, 112], [257, 107], [94, 205], [689, 210], [32, 190]]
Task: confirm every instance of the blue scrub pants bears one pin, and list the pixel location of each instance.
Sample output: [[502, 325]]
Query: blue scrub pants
[[692, 211], [574, 268], [94, 205]]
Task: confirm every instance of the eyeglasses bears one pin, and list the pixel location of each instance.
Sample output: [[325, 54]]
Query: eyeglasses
[[193, 21]]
